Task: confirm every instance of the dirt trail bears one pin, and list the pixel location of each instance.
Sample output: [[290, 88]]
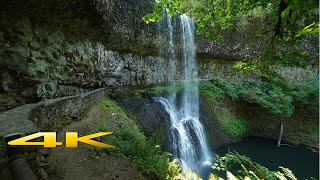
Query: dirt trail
[[79, 164]]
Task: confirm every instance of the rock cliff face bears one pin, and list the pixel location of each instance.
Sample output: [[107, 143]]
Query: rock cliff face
[[55, 48], [47, 48]]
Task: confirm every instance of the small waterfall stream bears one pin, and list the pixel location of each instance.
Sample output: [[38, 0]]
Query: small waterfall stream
[[188, 137]]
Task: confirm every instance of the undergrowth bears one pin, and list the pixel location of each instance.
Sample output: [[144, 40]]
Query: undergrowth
[[163, 90], [233, 125], [237, 166], [130, 143], [309, 133], [278, 99], [271, 98]]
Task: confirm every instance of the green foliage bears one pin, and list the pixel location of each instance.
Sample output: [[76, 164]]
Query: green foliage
[[272, 97], [279, 99], [211, 90], [213, 93], [298, 9], [210, 16], [154, 91], [308, 133], [214, 15], [310, 29], [288, 173], [269, 96], [112, 105], [237, 166], [283, 26], [233, 126], [306, 94], [164, 89], [257, 69], [131, 143], [161, 90], [115, 111]]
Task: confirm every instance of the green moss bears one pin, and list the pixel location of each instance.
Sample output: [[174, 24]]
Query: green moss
[[109, 104], [274, 98], [270, 99], [138, 93], [308, 133], [237, 166], [232, 125], [112, 106], [159, 134], [161, 90], [210, 90]]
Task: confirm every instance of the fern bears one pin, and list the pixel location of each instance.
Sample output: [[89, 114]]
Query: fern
[[288, 173]]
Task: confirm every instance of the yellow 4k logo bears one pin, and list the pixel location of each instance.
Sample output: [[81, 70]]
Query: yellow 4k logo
[[50, 140]]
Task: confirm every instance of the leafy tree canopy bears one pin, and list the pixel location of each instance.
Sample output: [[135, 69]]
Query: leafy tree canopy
[[286, 24], [214, 15]]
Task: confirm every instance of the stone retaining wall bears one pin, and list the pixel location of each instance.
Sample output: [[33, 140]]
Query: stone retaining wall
[[49, 115]]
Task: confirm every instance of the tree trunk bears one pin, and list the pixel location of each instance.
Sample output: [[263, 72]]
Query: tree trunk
[[280, 135], [277, 29]]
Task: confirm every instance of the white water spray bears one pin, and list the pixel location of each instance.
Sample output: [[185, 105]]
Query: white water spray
[[188, 137]]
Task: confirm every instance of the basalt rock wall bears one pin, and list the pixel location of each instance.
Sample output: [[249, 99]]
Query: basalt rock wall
[[55, 48]]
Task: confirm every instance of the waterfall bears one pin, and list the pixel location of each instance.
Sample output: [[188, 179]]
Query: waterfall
[[187, 133]]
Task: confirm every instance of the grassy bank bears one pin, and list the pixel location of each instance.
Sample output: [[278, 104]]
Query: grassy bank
[[131, 143], [241, 107]]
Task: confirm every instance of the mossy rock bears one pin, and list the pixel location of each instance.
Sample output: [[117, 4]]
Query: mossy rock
[[1, 37], [47, 89], [22, 31], [235, 127], [18, 54], [35, 54], [34, 45]]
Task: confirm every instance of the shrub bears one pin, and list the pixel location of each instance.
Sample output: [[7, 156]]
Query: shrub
[[129, 142], [277, 99], [306, 94], [308, 133], [237, 166], [234, 126]]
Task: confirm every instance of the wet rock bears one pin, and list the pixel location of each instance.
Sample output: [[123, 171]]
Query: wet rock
[[7, 81], [35, 54], [70, 90], [6, 174], [3, 156], [34, 45], [217, 137], [152, 118], [18, 54], [9, 101], [30, 95], [104, 44], [43, 174], [45, 152], [1, 37]]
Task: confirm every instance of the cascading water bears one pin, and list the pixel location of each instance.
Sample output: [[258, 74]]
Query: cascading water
[[188, 136]]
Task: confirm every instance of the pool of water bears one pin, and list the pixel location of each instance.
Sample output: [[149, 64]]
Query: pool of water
[[303, 162]]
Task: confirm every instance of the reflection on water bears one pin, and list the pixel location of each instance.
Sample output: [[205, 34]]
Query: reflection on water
[[303, 162]]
